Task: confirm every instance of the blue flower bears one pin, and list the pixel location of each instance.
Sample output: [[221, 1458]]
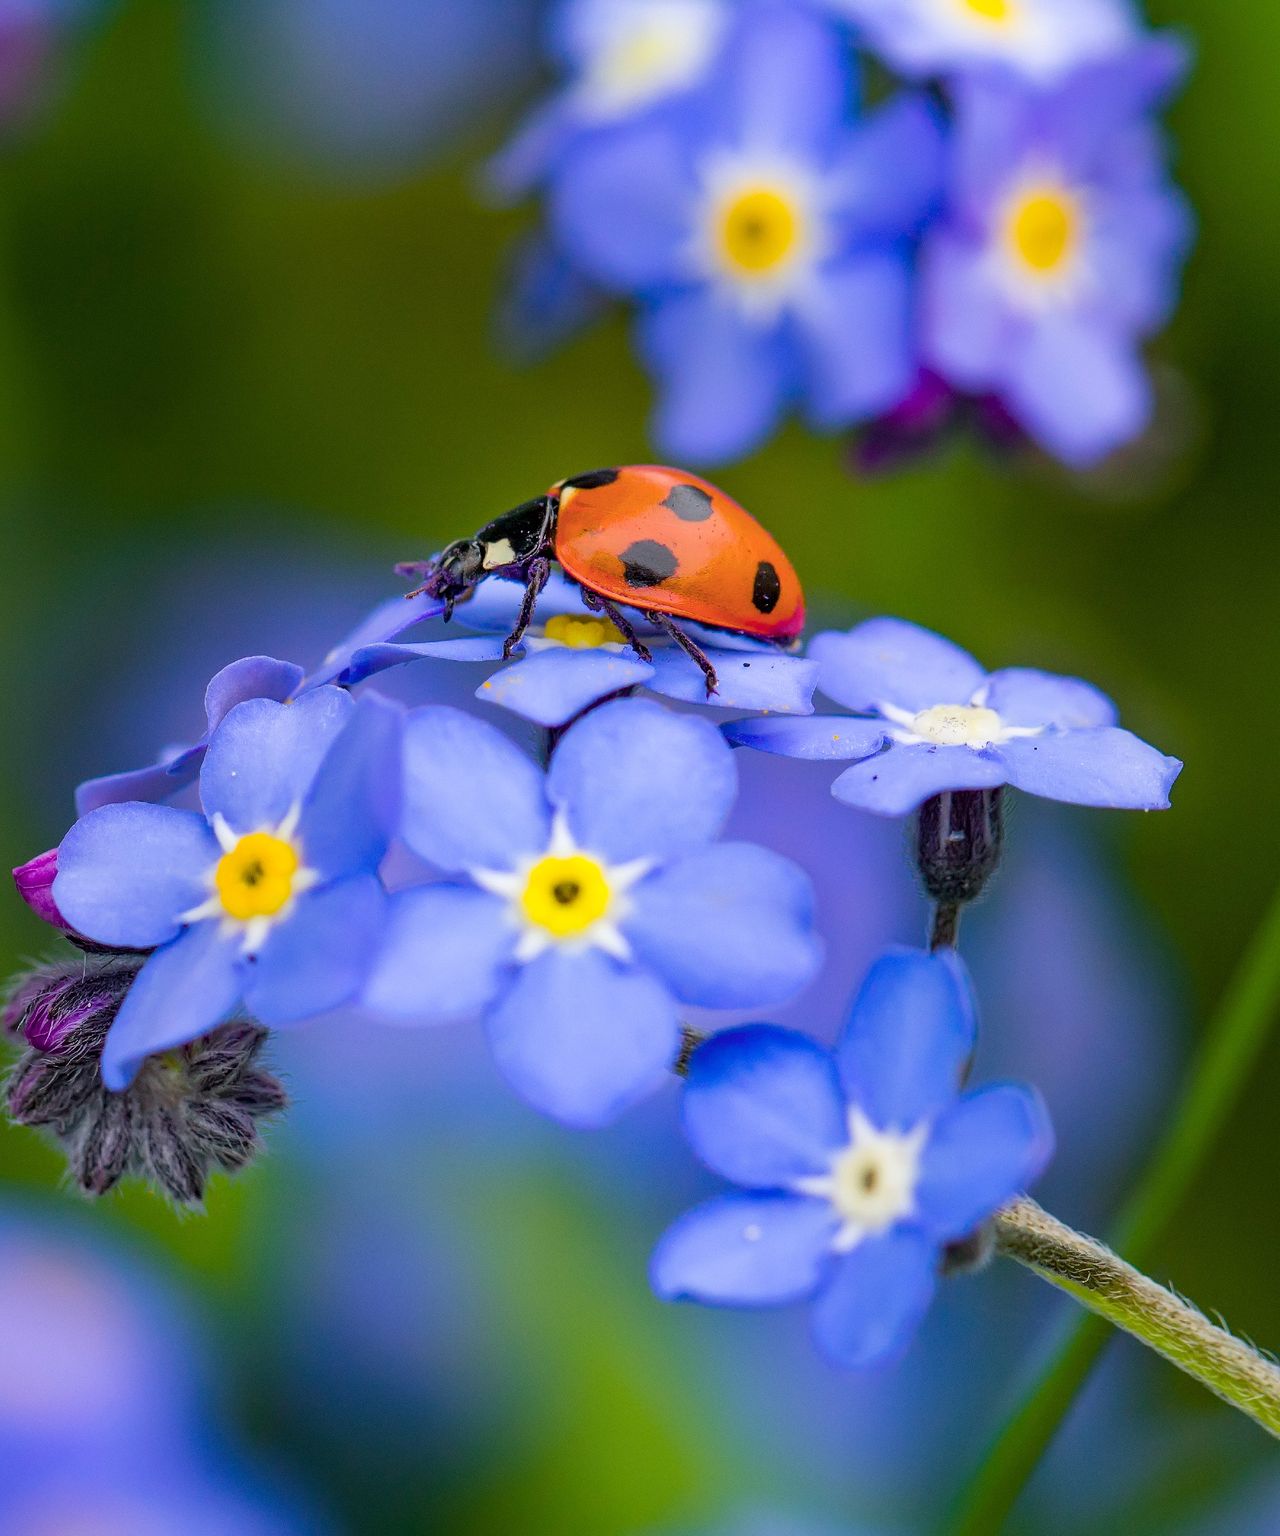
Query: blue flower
[[1061, 250], [938, 722], [623, 59], [269, 898], [1039, 40], [766, 235], [573, 657], [860, 1165], [587, 904]]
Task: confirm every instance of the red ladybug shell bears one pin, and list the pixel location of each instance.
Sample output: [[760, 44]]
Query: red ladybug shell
[[657, 538]]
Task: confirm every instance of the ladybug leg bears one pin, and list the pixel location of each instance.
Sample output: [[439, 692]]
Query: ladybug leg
[[535, 578], [690, 647], [620, 622]]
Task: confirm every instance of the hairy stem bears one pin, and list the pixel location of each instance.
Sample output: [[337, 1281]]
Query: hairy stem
[[1230, 1047], [1103, 1282]]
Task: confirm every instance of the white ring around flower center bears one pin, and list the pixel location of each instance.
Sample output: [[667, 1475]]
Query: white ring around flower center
[[542, 892], [953, 725], [872, 1181]]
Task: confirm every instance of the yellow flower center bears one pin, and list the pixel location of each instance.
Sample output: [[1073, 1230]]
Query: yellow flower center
[[957, 725], [256, 877], [581, 634], [566, 896], [759, 230], [1000, 12], [1043, 229]]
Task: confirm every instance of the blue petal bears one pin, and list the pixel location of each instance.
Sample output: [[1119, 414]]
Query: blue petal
[[624, 203], [318, 958], [1103, 767], [158, 781], [745, 1251], [1022, 696], [982, 1152], [729, 927], [895, 782], [910, 1035], [255, 677], [264, 756], [1078, 388], [889, 178], [389, 619], [581, 1038], [552, 686], [966, 323], [127, 873], [754, 680], [546, 301], [875, 1299], [472, 798], [353, 809], [786, 84], [856, 333], [495, 603], [723, 381], [763, 1106], [532, 151], [888, 661], [637, 781], [369, 660], [442, 956], [182, 992], [825, 738]]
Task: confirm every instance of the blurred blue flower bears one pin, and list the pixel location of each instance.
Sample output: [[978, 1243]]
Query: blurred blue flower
[[592, 903], [766, 234], [103, 1426], [573, 657], [269, 896], [1037, 39], [938, 722], [368, 85], [1060, 251], [622, 59], [860, 1165]]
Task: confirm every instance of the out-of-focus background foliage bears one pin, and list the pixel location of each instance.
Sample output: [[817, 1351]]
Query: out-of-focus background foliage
[[247, 360]]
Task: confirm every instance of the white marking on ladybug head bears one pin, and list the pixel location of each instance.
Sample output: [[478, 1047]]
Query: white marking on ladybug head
[[499, 552]]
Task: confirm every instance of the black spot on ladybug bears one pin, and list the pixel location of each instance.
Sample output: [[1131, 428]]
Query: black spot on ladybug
[[591, 481], [767, 589], [646, 563], [690, 503]]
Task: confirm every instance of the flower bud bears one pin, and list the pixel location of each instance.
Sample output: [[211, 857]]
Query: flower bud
[[34, 880], [187, 1112], [959, 838]]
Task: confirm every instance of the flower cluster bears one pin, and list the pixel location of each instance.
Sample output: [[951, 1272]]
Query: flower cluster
[[1000, 231], [323, 847]]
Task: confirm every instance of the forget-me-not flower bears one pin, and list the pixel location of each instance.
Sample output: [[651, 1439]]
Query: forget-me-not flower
[[766, 232], [935, 721], [622, 59], [860, 1165], [586, 904], [1060, 251], [269, 899], [1037, 39], [572, 657]]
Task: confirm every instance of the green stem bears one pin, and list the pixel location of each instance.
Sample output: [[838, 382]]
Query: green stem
[[1105, 1284], [1227, 1054]]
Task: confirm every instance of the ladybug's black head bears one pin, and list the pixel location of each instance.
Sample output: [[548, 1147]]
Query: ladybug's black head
[[455, 570]]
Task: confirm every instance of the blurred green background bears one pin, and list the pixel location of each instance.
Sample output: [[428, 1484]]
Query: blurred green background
[[220, 358]]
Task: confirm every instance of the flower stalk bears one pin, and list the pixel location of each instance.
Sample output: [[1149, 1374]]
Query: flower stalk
[[1104, 1283]]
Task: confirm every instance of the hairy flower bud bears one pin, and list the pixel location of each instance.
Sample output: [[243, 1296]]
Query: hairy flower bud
[[187, 1112], [959, 840]]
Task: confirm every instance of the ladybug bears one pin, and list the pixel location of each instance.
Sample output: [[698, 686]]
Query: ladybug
[[649, 538]]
